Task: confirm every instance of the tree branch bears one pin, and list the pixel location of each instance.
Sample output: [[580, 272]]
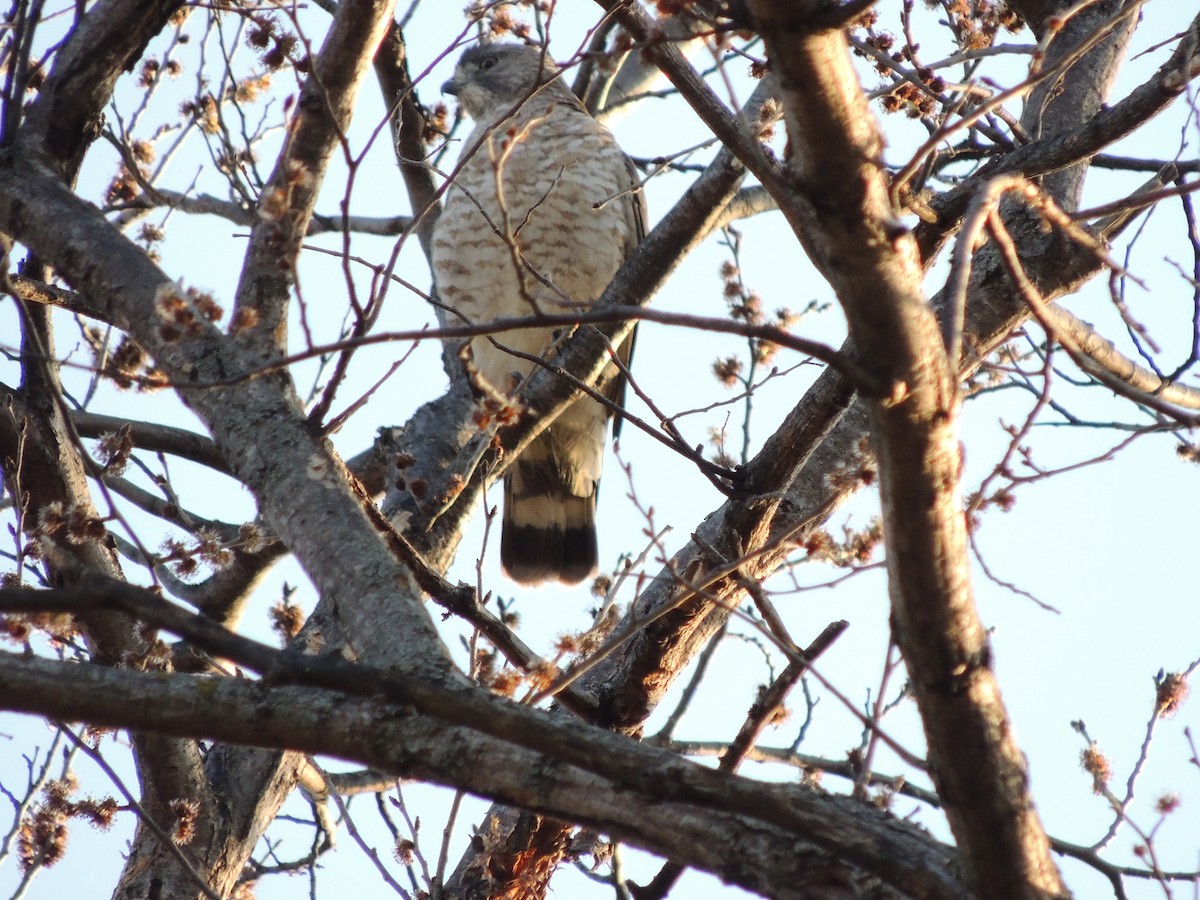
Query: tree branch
[[681, 804], [1059, 147], [322, 115]]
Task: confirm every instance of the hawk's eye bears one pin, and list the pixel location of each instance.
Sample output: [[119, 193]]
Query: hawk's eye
[[487, 62]]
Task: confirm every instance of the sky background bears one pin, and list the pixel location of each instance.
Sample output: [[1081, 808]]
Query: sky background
[[1110, 547]]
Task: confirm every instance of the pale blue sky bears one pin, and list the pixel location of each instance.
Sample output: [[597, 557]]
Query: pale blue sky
[[1110, 547]]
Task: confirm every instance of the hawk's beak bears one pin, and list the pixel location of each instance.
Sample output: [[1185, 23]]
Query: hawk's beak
[[450, 86]]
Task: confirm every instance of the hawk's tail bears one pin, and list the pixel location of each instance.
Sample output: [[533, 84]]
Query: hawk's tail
[[549, 532]]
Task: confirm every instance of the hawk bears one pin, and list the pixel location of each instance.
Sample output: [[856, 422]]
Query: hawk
[[537, 220]]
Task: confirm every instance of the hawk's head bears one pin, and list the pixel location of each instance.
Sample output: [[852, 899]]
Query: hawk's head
[[491, 78]]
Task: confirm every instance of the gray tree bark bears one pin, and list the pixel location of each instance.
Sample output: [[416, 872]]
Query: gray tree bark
[[422, 718]]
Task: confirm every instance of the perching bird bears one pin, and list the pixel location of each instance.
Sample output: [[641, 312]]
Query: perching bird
[[537, 220]]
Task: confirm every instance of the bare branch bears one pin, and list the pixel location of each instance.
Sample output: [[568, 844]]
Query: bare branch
[[1063, 147], [322, 114], [593, 768]]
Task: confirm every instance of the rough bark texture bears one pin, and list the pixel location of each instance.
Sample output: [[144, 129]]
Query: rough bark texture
[[258, 425], [874, 267], [773, 839], [419, 719]]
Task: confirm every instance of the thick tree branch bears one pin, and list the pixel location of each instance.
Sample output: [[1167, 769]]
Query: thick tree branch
[[408, 121], [64, 119], [261, 432], [790, 476], [1062, 147], [152, 436], [682, 802], [206, 204], [285, 208], [1101, 358], [877, 276]]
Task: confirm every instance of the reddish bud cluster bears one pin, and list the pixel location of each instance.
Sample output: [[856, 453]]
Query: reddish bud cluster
[[259, 37], [728, 371], [204, 111], [123, 188], [1004, 498], [666, 8], [60, 628], [42, 838], [1171, 691], [186, 812], [274, 44], [14, 627], [73, 523], [501, 22], [542, 676], [286, 619], [148, 73], [976, 22], [1167, 804], [856, 548], [591, 640], [149, 234], [505, 683], [404, 851], [910, 99], [115, 448], [768, 114], [185, 311], [126, 364], [186, 559], [722, 457], [566, 644], [498, 411], [745, 305], [248, 89], [437, 123], [251, 538], [1098, 766]]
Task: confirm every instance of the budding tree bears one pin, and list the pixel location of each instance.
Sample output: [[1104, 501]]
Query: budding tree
[[908, 421]]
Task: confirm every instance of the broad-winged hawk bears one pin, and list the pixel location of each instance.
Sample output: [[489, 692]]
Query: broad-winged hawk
[[537, 220]]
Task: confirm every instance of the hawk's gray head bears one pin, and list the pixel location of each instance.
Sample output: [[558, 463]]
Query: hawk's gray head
[[491, 78]]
